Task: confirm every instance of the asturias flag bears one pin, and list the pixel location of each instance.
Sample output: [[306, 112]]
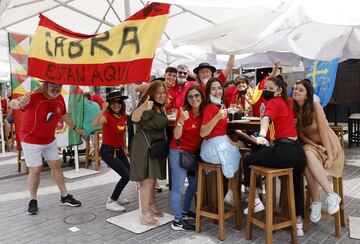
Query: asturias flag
[[322, 75], [121, 55]]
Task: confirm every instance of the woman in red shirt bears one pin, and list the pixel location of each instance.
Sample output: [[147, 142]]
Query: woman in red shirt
[[278, 125], [113, 150], [217, 147], [186, 138]]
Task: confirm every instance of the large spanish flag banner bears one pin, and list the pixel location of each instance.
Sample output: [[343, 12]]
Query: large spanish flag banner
[[121, 55]]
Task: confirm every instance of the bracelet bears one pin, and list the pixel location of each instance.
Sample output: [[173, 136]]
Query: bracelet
[[179, 124]]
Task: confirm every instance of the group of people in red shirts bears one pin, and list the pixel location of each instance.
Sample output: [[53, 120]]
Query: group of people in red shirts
[[200, 128]]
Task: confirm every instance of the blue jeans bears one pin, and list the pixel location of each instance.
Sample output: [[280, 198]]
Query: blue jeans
[[178, 180]]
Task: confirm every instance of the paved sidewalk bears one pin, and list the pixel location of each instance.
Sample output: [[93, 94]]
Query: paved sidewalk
[[49, 227]]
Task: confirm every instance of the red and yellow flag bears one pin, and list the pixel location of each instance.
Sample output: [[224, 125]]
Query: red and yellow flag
[[121, 55]]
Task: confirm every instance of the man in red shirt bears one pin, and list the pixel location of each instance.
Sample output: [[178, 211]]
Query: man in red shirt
[[43, 109], [205, 71], [177, 92]]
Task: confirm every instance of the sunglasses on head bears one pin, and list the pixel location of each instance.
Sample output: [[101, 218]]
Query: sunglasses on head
[[182, 73], [117, 101], [191, 97]]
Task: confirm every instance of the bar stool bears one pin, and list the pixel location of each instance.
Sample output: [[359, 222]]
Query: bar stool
[[95, 155], [216, 208], [339, 217], [288, 219]]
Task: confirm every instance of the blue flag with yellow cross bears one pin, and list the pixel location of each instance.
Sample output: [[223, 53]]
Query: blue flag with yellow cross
[[322, 75]]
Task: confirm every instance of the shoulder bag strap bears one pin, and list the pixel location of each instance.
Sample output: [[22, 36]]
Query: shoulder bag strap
[[146, 139]]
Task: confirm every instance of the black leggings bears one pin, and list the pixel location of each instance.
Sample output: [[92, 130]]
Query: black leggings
[[281, 155], [116, 159]]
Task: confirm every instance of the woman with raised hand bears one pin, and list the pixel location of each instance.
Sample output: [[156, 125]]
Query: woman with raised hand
[[145, 168], [113, 150], [186, 139], [278, 125], [324, 153]]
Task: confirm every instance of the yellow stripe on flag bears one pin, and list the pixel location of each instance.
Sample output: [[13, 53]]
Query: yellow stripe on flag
[[130, 40], [19, 90]]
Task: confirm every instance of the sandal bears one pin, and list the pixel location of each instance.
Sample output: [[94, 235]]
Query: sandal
[[148, 220], [156, 212]]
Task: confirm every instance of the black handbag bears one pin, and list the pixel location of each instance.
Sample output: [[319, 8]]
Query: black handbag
[[158, 149], [188, 161]]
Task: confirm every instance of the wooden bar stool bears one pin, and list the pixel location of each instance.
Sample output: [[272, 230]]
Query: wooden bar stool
[[269, 226], [95, 155], [339, 217], [216, 209]]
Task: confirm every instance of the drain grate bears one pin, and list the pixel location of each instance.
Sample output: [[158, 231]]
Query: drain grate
[[81, 218]]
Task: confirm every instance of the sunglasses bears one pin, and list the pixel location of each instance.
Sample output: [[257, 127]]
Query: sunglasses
[[191, 97], [117, 101], [182, 73]]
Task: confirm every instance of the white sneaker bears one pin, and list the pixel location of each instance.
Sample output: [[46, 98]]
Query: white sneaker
[[114, 206], [315, 214], [259, 206], [299, 229], [123, 201], [229, 199], [333, 200]]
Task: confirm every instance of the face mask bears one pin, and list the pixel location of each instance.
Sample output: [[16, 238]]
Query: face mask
[[204, 81], [268, 95], [216, 100], [181, 82], [243, 91]]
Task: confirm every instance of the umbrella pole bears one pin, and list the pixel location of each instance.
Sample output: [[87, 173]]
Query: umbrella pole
[[2, 132], [77, 170]]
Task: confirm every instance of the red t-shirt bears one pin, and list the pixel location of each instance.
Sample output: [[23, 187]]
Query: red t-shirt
[[190, 139], [41, 117], [96, 98], [221, 77], [113, 130], [229, 91], [177, 95], [4, 106], [220, 128], [234, 98], [282, 119]]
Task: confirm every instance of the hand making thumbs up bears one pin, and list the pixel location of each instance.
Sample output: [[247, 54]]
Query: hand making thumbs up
[[222, 114], [184, 115], [147, 105]]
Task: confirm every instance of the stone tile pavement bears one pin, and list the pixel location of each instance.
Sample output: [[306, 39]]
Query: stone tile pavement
[[49, 227]]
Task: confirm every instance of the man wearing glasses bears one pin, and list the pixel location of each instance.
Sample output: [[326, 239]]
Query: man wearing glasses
[[42, 110], [177, 92]]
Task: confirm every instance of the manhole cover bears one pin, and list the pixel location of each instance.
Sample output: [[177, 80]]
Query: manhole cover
[[81, 218]]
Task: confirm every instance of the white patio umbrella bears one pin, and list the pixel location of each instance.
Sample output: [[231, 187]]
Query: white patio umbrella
[[321, 30]]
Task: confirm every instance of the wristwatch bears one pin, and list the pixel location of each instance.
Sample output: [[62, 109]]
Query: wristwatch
[[74, 128]]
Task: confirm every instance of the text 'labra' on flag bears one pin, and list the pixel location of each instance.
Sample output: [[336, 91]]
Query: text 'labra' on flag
[[121, 55]]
